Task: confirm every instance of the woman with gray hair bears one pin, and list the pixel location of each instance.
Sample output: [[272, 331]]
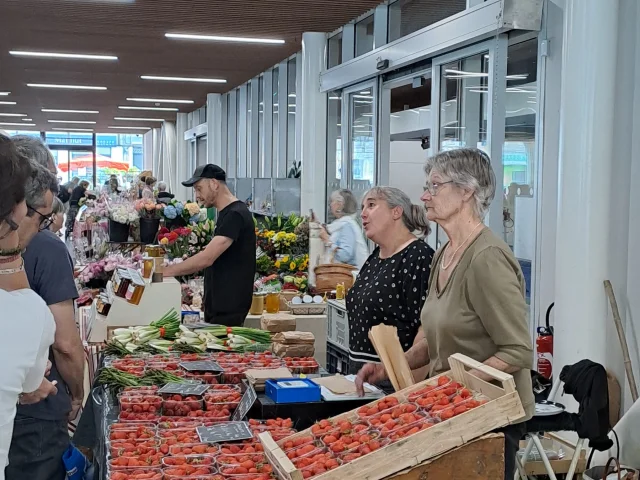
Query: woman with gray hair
[[476, 304], [343, 237], [392, 285]]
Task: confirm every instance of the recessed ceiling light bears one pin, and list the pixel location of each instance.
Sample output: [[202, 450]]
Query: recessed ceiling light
[[161, 109], [73, 129], [13, 114], [183, 79], [20, 53], [56, 110], [18, 124], [218, 38], [158, 100], [72, 121], [139, 119], [70, 87], [132, 128], [4, 93], [7, 103]]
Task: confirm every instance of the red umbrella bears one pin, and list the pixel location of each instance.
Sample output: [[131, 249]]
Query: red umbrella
[[86, 161]]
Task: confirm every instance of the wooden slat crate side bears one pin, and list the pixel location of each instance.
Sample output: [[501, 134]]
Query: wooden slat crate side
[[504, 408], [278, 459]]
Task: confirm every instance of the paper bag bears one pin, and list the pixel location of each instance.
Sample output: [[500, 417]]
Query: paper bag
[[292, 338], [299, 350], [337, 384], [277, 322], [267, 374]]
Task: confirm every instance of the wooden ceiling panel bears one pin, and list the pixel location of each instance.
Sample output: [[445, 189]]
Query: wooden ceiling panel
[[133, 30]]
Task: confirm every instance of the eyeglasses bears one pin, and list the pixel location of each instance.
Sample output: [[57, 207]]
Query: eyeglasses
[[433, 188], [45, 220]]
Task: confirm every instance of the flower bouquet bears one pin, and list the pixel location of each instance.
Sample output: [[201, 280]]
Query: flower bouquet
[[291, 265], [175, 241], [282, 242], [97, 274], [124, 213], [191, 212], [148, 209], [172, 213], [201, 235]]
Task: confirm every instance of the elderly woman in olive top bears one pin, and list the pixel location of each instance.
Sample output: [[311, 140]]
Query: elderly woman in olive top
[[476, 304], [392, 284]]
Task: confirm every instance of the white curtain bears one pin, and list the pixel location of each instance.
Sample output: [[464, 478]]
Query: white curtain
[[167, 158], [147, 151], [152, 159]]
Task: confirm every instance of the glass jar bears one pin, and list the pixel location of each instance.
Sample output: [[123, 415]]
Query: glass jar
[[272, 302], [257, 304], [340, 291], [136, 288], [148, 264]]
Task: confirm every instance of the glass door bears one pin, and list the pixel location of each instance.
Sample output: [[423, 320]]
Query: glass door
[[405, 134], [71, 163], [359, 127], [469, 87]]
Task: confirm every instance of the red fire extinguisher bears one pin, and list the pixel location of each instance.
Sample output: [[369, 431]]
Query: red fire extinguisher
[[544, 347]]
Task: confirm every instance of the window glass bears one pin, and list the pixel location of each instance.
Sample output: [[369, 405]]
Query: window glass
[[362, 142], [464, 97], [292, 161], [261, 167], [408, 16], [334, 145], [518, 154], [248, 171], [275, 141], [364, 36], [334, 47]]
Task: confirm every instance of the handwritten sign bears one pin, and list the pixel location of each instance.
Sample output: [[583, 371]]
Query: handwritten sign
[[246, 402], [184, 389], [225, 432], [202, 366]]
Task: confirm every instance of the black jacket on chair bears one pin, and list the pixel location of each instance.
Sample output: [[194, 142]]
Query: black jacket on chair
[[587, 382]]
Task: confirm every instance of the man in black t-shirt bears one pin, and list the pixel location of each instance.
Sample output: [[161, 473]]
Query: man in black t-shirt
[[229, 261]]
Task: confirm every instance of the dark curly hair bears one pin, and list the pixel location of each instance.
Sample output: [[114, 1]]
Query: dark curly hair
[[14, 172]]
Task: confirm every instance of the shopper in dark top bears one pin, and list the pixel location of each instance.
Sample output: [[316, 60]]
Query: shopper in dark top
[[392, 285], [40, 433], [229, 260], [77, 194], [163, 195]]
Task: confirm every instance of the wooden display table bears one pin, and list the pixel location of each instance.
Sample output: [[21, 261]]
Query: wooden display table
[[480, 459], [316, 324]]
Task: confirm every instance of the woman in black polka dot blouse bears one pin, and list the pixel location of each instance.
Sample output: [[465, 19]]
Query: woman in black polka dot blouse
[[392, 285]]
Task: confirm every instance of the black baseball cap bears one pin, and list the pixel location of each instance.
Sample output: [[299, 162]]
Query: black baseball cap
[[206, 171]]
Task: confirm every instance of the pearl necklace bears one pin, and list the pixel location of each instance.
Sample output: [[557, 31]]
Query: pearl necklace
[[444, 267]]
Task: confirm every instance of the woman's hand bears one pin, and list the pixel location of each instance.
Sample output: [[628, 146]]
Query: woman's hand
[[324, 235], [371, 373]]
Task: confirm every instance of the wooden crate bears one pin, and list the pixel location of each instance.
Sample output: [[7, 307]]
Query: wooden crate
[[503, 408]]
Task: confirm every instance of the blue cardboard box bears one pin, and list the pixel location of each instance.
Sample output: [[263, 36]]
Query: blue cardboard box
[[292, 390]]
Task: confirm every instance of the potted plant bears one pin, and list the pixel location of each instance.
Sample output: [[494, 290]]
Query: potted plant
[[149, 213], [121, 216]]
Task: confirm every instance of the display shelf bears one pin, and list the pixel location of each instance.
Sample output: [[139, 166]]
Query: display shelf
[[157, 299]]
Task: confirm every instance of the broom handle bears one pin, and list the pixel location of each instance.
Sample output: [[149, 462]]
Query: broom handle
[[623, 339]]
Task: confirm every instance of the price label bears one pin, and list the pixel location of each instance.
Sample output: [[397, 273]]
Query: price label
[[184, 389], [225, 432], [246, 402], [202, 366]]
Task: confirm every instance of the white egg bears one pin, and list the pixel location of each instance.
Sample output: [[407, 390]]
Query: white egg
[[307, 299]]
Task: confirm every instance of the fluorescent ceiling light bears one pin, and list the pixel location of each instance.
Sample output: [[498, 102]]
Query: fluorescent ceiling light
[[139, 119], [518, 76], [362, 96], [183, 79], [27, 119], [292, 95], [69, 87], [365, 92], [132, 128], [4, 93], [73, 129], [162, 109], [7, 103], [13, 114], [291, 104], [73, 121], [18, 124], [158, 100], [334, 98], [56, 110], [20, 53], [218, 38]]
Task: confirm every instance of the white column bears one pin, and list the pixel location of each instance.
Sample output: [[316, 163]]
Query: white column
[[182, 152], [314, 125], [585, 171], [214, 129]]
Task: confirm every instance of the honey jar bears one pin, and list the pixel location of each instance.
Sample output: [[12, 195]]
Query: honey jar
[[136, 288]]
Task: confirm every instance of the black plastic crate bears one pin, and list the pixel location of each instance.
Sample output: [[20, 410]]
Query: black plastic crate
[[337, 359]]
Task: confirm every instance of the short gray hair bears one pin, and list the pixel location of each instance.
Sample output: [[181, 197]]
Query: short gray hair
[[39, 183], [469, 168], [414, 217], [34, 149], [57, 206], [162, 186], [347, 199]]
